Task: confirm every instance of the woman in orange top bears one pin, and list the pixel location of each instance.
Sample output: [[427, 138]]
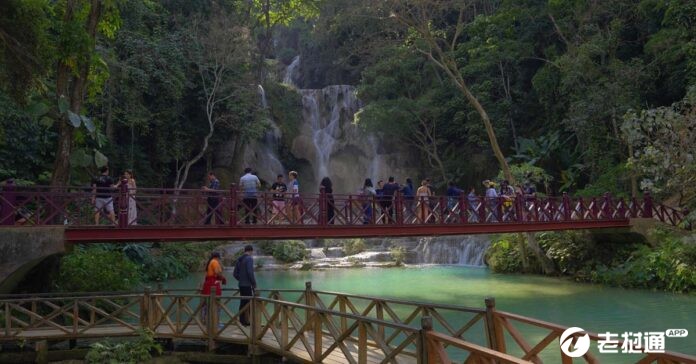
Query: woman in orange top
[[213, 275]]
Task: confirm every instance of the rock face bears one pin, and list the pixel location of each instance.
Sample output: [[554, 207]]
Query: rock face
[[328, 144]]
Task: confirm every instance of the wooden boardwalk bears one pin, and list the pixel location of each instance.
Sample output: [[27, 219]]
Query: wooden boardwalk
[[302, 325]]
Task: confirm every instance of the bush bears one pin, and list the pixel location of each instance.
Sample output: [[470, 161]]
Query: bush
[[354, 246], [92, 270], [289, 251], [503, 256], [398, 253], [125, 352]]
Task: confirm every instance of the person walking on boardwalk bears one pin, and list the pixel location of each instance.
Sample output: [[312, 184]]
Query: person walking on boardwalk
[[278, 188], [213, 279], [330, 203], [213, 199], [132, 207], [250, 185], [244, 273], [102, 199]]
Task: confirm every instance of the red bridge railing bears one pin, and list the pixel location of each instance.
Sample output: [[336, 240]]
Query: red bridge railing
[[74, 207]]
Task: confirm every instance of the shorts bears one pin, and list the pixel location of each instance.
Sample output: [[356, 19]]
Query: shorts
[[104, 204], [278, 206]]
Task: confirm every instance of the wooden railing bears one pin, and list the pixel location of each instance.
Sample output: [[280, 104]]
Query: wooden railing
[[74, 207], [305, 325]]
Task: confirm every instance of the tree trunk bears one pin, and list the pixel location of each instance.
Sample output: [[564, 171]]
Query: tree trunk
[[547, 264], [72, 88]]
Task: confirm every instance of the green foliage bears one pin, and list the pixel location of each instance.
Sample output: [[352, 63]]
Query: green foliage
[[132, 351], [287, 251], [663, 140], [354, 246], [398, 253], [504, 256], [94, 270]]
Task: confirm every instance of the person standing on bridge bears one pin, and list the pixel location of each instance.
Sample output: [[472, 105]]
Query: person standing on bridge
[[102, 199], [330, 203], [244, 273], [250, 185], [213, 199]]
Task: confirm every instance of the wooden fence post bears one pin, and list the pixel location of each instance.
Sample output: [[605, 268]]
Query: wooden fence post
[[309, 300], [123, 204], [212, 317], [255, 307], [7, 202], [496, 338], [233, 204], [145, 309], [426, 355]]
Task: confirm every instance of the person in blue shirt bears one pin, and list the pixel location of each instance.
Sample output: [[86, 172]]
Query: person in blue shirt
[[453, 193], [249, 184], [213, 199], [244, 273], [409, 193]]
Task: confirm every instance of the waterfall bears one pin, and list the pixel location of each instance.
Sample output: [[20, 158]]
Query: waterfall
[[466, 250], [291, 72], [324, 109], [262, 93]]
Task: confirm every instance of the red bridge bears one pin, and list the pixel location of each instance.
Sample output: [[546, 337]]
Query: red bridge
[[185, 215]]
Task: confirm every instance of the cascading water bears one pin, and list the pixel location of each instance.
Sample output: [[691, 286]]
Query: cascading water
[[291, 71], [324, 110], [467, 250]]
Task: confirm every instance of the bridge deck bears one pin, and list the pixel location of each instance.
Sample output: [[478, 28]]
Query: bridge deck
[[230, 334]]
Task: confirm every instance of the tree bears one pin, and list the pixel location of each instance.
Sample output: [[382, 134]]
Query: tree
[[221, 54], [662, 140], [439, 45], [80, 20]]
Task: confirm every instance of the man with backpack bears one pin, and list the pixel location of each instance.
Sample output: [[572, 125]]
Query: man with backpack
[[102, 199]]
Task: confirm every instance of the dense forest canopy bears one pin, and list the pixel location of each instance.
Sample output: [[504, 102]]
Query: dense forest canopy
[[580, 95]]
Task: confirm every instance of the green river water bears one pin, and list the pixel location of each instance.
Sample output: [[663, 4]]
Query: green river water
[[591, 307]]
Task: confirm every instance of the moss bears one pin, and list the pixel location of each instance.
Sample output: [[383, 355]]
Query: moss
[[285, 106]]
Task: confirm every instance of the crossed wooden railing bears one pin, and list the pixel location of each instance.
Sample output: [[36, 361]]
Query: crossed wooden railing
[[74, 207], [304, 325]]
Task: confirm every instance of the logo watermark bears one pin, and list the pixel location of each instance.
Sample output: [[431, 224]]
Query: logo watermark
[[581, 344], [614, 343]]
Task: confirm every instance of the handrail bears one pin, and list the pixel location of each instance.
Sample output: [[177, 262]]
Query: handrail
[[46, 205], [80, 315]]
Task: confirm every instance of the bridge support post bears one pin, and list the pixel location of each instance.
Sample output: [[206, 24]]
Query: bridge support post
[[123, 204], [494, 329], [519, 207], [8, 199], [647, 205], [323, 215], [212, 318], [398, 207], [566, 207], [41, 352], [233, 204]]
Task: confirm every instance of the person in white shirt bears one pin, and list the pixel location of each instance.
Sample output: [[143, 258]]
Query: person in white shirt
[[249, 184]]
